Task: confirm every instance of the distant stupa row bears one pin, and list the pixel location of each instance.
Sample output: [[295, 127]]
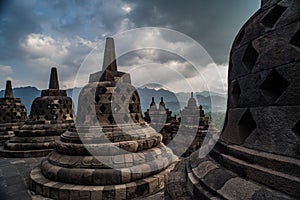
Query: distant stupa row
[[193, 125], [50, 116]]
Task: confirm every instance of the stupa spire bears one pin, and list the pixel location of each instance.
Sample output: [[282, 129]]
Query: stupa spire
[[109, 61], [152, 102], [8, 90], [53, 83]]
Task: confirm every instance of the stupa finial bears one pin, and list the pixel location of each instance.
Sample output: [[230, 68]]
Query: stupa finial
[[53, 83], [109, 62], [8, 91]]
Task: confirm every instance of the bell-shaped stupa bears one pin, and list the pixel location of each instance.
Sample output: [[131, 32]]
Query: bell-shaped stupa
[[13, 114], [158, 118], [112, 153], [258, 153], [50, 116]]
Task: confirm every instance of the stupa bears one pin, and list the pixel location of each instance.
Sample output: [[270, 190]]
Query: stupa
[[12, 114], [112, 153], [50, 116], [160, 117], [258, 154], [193, 125]]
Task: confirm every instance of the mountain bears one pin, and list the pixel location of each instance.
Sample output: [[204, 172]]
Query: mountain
[[174, 101]]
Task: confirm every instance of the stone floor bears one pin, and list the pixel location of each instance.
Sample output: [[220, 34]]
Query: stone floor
[[14, 174]]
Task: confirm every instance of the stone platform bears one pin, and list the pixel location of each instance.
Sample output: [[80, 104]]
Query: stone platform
[[14, 177]]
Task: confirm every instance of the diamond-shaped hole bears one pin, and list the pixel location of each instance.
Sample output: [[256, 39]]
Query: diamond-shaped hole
[[97, 99], [103, 90], [117, 108], [126, 118], [133, 98], [111, 119], [130, 107], [296, 39], [137, 118], [250, 57], [123, 98], [273, 16], [296, 129], [236, 91], [273, 86], [246, 126], [117, 90], [102, 108]]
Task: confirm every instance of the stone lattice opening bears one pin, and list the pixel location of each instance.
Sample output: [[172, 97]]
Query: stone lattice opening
[[117, 90], [137, 118], [274, 85], [102, 108], [123, 98], [296, 39], [111, 119], [133, 98], [117, 108], [250, 57], [273, 16], [126, 118], [131, 109], [246, 125], [236, 91], [97, 99], [296, 129]]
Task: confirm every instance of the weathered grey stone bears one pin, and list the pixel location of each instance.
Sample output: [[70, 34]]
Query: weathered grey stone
[[259, 144]]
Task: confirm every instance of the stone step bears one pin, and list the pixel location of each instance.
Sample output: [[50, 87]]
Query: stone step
[[276, 162], [28, 146], [23, 153], [56, 190], [224, 184], [281, 181]]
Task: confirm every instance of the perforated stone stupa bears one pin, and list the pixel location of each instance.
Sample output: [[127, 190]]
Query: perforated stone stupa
[[112, 153], [193, 125], [159, 117], [12, 114], [258, 154], [50, 116]]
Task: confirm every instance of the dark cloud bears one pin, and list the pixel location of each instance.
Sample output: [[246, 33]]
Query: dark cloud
[[75, 26], [148, 55], [16, 22], [212, 23]]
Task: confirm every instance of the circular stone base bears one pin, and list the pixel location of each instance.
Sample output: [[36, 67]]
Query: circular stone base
[[24, 154], [56, 190]]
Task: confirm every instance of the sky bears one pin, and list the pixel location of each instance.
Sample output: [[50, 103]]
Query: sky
[[36, 35]]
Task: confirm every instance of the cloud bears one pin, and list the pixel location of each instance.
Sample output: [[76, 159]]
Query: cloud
[[39, 46], [6, 70], [213, 23], [36, 35], [42, 52], [5, 73]]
